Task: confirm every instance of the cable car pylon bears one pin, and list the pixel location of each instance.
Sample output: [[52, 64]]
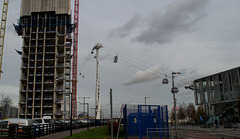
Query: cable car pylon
[[97, 94]]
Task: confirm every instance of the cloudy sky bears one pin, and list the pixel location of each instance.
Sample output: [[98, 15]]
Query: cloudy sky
[[151, 39]]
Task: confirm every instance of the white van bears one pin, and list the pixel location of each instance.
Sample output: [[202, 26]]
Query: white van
[[19, 121], [44, 120]]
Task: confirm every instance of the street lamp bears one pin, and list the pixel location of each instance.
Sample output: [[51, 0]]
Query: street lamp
[[146, 100], [174, 90], [71, 115]]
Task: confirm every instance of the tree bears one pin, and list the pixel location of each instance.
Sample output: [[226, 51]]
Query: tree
[[200, 112], [181, 111], [191, 112], [6, 104], [172, 115]]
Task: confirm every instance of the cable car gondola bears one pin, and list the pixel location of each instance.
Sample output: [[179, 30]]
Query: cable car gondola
[[165, 80], [115, 59]]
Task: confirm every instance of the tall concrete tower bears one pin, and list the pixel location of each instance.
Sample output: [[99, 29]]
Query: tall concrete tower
[[45, 27]]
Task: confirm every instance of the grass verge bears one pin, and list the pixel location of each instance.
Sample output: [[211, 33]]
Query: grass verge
[[95, 133]]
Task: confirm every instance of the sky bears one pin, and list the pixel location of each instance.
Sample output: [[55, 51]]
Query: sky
[[151, 39]]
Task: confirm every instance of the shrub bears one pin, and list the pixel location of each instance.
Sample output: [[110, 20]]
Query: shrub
[[115, 127]]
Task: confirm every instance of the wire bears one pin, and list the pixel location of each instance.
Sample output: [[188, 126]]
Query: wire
[[138, 65], [142, 61]]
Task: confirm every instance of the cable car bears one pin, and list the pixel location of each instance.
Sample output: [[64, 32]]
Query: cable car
[[115, 59], [165, 80], [174, 90]]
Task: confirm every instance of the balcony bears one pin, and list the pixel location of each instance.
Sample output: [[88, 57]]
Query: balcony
[[60, 66], [48, 81], [40, 58], [50, 44], [37, 113], [49, 51], [48, 106], [48, 89], [60, 44], [49, 58], [49, 66], [30, 98], [60, 54], [23, 102], [59, 79], [38, 105], [51, 30], [30, 90], [37, 89], [58, 102], [23, 90], [48, 73], [61, 34], [39, 74], [47, 114], [22, 114], [32, 52], [59, 90], [59, 113], [48, 98]]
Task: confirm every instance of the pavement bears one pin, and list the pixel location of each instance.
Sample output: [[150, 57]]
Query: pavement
[[190, 132], [220, 131], [196, 132], [64, 134]]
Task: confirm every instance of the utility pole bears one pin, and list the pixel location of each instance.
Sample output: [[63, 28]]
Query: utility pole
[[175, 90], [97, 94], [84, 102], [111, 113], [146, 100]]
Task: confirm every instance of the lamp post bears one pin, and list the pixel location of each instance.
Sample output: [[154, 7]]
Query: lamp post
[[71, 116], [174, 90], [146, 100]]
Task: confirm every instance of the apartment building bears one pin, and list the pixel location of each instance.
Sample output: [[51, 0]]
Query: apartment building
[[45, 27]]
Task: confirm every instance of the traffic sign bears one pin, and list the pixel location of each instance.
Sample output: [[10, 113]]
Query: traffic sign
[[174, 109]]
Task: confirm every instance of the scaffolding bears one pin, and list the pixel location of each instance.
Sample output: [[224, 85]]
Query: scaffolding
[[2, 33]]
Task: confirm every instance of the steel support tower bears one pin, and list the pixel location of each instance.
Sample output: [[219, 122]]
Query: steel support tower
[[3, 29], [97, 94], [74, 59]]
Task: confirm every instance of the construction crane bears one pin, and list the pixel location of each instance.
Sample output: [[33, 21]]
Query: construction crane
[[2, 33], [74, 59]]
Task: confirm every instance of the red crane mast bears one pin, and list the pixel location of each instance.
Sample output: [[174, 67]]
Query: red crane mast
[[74, 59]]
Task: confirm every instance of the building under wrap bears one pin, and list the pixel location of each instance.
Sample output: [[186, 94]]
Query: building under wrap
[[45, 27]]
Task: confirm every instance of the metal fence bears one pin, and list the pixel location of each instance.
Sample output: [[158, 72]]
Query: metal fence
[[28, 132], [167, 133], [16, 131]]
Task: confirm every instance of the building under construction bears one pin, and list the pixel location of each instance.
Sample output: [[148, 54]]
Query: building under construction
[[45, 27]]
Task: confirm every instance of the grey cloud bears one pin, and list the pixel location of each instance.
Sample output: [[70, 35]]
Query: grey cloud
[[126, 28], [144, 76], [180, 17]]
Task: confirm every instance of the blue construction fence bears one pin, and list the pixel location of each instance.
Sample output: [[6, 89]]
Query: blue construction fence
[[146, 120]]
